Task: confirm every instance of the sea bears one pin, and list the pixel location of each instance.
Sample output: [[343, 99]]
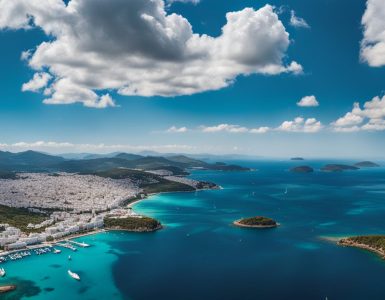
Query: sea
[[200, 255]]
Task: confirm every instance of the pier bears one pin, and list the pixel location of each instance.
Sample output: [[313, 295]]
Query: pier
[[67, 245], [83, 245]]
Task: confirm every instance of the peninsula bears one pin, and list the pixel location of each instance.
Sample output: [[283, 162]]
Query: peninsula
[[256, 222], [135, 224], [47, 198], [373, 243]]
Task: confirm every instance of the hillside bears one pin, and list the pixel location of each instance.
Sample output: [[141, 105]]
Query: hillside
[[32, 161]]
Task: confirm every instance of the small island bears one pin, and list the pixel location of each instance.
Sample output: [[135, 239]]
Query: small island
[[373, 243], [7, 288], [302, 169], [338, 168], [366, 164], [256, 222], [297, 158], [135, 224]]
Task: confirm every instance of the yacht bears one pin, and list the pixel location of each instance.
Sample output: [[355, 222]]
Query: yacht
[[73, 275], [2, 272], [56, 251]]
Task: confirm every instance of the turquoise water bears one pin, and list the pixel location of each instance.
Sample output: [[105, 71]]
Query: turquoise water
[[200, 255]]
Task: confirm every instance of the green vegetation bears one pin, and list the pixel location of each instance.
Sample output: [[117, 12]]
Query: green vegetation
[[20, 217], [132, 224], [374, 241], [166, 186], [150, 183], [257, 221]]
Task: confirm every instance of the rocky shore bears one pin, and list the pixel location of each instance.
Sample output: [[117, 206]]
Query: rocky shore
[[7, 288], [370, 243]]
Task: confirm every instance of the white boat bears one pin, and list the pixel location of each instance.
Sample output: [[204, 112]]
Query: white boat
[[56, 251], [73, 275], [2, 272], [69, 257]]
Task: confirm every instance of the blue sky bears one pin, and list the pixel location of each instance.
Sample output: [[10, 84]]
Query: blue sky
[[332, 71]]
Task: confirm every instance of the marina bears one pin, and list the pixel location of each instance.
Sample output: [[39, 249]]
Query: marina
[[47, 249]]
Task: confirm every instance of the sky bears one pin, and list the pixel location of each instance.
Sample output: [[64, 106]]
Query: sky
[[264, 78]]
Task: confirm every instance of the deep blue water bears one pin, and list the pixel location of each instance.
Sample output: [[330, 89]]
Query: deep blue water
[[200, 255]]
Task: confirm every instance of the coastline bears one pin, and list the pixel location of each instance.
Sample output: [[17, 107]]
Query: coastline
[[348, 243], [97, 231], [148, 196]]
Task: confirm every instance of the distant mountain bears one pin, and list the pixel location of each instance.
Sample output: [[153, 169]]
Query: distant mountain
[[28, 161], [32, 161], [128, 156], [297, 158], [190, 162], [338, 168], [366, 164]]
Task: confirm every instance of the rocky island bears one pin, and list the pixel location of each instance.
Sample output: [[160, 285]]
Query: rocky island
[[135, 224], [256, 222], [7, 288], [366, 164], [338, 168], [297, 158], [302, 169], [373, 243]]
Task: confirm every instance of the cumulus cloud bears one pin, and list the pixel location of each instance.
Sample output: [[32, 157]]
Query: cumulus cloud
[[300, 124], [373, 43], [260, 130], [39, 81], [174, 129], [370, 118], [134, 47], [308, 101], [297, 21], [224, 128]]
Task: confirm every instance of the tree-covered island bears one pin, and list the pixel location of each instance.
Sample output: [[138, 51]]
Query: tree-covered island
[[256, 222]]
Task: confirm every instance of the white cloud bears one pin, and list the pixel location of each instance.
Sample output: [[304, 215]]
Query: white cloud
[[370, 118], [135, 47], [308, 101], [300, 124], [224, 128], [373, 43], [260, 130], [174, 129], [297, 21], [39, 81]]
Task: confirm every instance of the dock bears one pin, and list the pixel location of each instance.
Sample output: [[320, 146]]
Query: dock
[[83, 245], [66, 245]]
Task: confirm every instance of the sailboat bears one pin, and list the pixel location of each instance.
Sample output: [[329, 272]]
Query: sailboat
[[73, 275]]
